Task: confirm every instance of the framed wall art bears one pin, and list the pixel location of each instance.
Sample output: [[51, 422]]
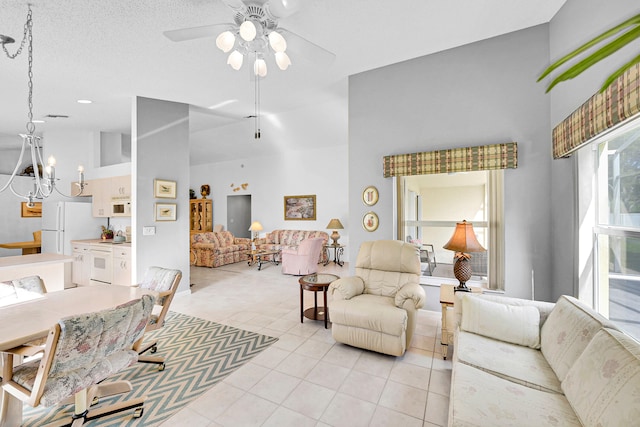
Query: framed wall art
[[300, 208], [34, 211], [370, 195], [370, 221], [163, 189], [165, 211]]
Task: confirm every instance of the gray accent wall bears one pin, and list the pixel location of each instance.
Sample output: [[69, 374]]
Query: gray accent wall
[[160, 150], [481, 93]]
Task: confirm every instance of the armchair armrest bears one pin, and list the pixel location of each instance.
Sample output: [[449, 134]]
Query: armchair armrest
[[410, 292], [261, 241], [347, 287]]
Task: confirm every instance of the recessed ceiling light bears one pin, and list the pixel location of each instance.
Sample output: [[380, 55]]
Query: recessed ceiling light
[[38, 121], [84, 101]]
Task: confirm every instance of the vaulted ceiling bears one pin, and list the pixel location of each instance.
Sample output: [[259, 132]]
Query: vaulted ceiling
[[110, 51]]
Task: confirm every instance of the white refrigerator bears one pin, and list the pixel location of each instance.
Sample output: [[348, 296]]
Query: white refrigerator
[[63, 222]]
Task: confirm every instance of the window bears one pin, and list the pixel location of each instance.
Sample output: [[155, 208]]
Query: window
[[429, 206], [616, 231]]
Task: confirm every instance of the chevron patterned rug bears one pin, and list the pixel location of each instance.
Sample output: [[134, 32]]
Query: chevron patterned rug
[[198, 354]]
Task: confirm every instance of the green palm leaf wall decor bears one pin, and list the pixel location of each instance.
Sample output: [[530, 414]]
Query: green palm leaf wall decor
[[625, 33]]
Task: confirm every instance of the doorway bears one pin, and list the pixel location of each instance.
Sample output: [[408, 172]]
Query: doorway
[[239, 215]]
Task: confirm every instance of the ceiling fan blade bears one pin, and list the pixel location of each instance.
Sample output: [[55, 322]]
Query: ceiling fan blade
[[281, 8], [196, 32], [235, 5], [299, 47]]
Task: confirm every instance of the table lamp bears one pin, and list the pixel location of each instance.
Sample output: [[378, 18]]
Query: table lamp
[[463, 241], [335, 225], [255, 228]]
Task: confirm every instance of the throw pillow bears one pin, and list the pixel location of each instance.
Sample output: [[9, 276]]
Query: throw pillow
[[514, 324]]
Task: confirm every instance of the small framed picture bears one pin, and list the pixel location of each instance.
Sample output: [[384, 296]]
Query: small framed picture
[[370, 221], [165, 211], [163, 189], [370, 195], [31, 211]]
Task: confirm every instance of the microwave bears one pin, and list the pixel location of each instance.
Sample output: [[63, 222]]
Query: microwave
[[121, 208]]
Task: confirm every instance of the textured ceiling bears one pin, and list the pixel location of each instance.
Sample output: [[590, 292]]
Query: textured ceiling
[[110, 51]]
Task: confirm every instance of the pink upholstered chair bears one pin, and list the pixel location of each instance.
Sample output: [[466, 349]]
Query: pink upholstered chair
[[304, 259]]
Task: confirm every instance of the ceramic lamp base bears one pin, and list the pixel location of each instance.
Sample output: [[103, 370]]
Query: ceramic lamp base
[[462, 271], [335, 236]]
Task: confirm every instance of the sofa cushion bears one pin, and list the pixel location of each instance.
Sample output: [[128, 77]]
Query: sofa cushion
[[370, 312], [481, 399], [603, 385], [567, 331], [523, 365], [517, 325]]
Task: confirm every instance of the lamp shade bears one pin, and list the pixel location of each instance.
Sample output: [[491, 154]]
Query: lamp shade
[[464, 239], [248, 31], [225, 41], [335, 224], [260, 67], [235, 60], [255, 226], [283, 61]]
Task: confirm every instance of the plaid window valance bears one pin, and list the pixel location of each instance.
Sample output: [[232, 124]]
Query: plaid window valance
[[484, 157], [602, 111]]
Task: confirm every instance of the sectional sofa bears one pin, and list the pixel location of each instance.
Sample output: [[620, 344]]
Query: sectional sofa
[[217, 248], [523, 363]]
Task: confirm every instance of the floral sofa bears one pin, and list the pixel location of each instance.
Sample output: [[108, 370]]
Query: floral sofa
[[290, 239], [216, 248], [525, 363]]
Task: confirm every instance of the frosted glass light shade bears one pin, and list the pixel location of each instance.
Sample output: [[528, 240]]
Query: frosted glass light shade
[[277, 42], [248, 31], [225, 41], [283, 61], [260, 67], [235, 60]]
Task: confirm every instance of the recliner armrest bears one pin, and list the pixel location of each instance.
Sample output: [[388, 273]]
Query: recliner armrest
[[410, 291], [347, 287]]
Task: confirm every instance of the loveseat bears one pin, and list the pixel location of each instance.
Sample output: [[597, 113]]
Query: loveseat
[[524, 363], [290, 239], [216, 248]]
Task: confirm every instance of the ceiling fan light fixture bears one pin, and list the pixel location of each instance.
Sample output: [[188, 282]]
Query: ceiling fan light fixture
[[283, 61], [248, 31], [277, 42], [225, 41], [235, 60], [260, 67]]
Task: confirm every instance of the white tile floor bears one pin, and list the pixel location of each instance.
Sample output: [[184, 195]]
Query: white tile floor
[[306, 378]]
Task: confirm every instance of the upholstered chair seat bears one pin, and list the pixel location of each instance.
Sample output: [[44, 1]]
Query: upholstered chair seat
[[303, 259]]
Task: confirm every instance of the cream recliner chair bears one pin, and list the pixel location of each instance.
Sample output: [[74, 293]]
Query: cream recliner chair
[[377, 308]]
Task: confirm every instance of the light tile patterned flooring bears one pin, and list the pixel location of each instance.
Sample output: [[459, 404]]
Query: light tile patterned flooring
[[306, 378]]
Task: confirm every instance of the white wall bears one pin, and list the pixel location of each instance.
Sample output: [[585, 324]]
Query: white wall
[[321, 171], [160, 150], [482, 93], [14, 228]]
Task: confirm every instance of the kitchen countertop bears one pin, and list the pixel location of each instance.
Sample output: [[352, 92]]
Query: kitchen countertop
[[23, 260], [100, 241]]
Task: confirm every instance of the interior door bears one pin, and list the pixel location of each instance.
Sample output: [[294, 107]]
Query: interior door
[[239, 215]]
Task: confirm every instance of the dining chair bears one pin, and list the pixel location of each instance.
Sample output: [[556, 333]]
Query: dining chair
[[80, 353], [164, 282]]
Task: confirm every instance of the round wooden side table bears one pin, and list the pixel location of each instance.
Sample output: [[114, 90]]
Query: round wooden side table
[[315, 283]]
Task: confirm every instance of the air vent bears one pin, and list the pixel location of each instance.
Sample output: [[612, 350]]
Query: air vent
[[57, 116]]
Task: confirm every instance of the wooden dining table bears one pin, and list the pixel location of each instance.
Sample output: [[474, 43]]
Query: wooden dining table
[[28, 320]]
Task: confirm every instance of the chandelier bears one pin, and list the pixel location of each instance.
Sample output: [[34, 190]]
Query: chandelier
[[254, 32], [44, 183]]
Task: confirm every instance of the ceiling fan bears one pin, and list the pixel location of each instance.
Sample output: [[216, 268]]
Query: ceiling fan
[[256, 33]]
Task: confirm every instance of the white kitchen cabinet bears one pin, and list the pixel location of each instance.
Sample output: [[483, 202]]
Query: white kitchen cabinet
[[122, 265], [106, 190], [81, 270]]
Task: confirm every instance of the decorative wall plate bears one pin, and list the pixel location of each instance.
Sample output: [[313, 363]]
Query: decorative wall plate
[[370, 221], [370, 195]]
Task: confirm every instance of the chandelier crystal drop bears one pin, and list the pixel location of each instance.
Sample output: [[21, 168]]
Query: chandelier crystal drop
[[44, 183]]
